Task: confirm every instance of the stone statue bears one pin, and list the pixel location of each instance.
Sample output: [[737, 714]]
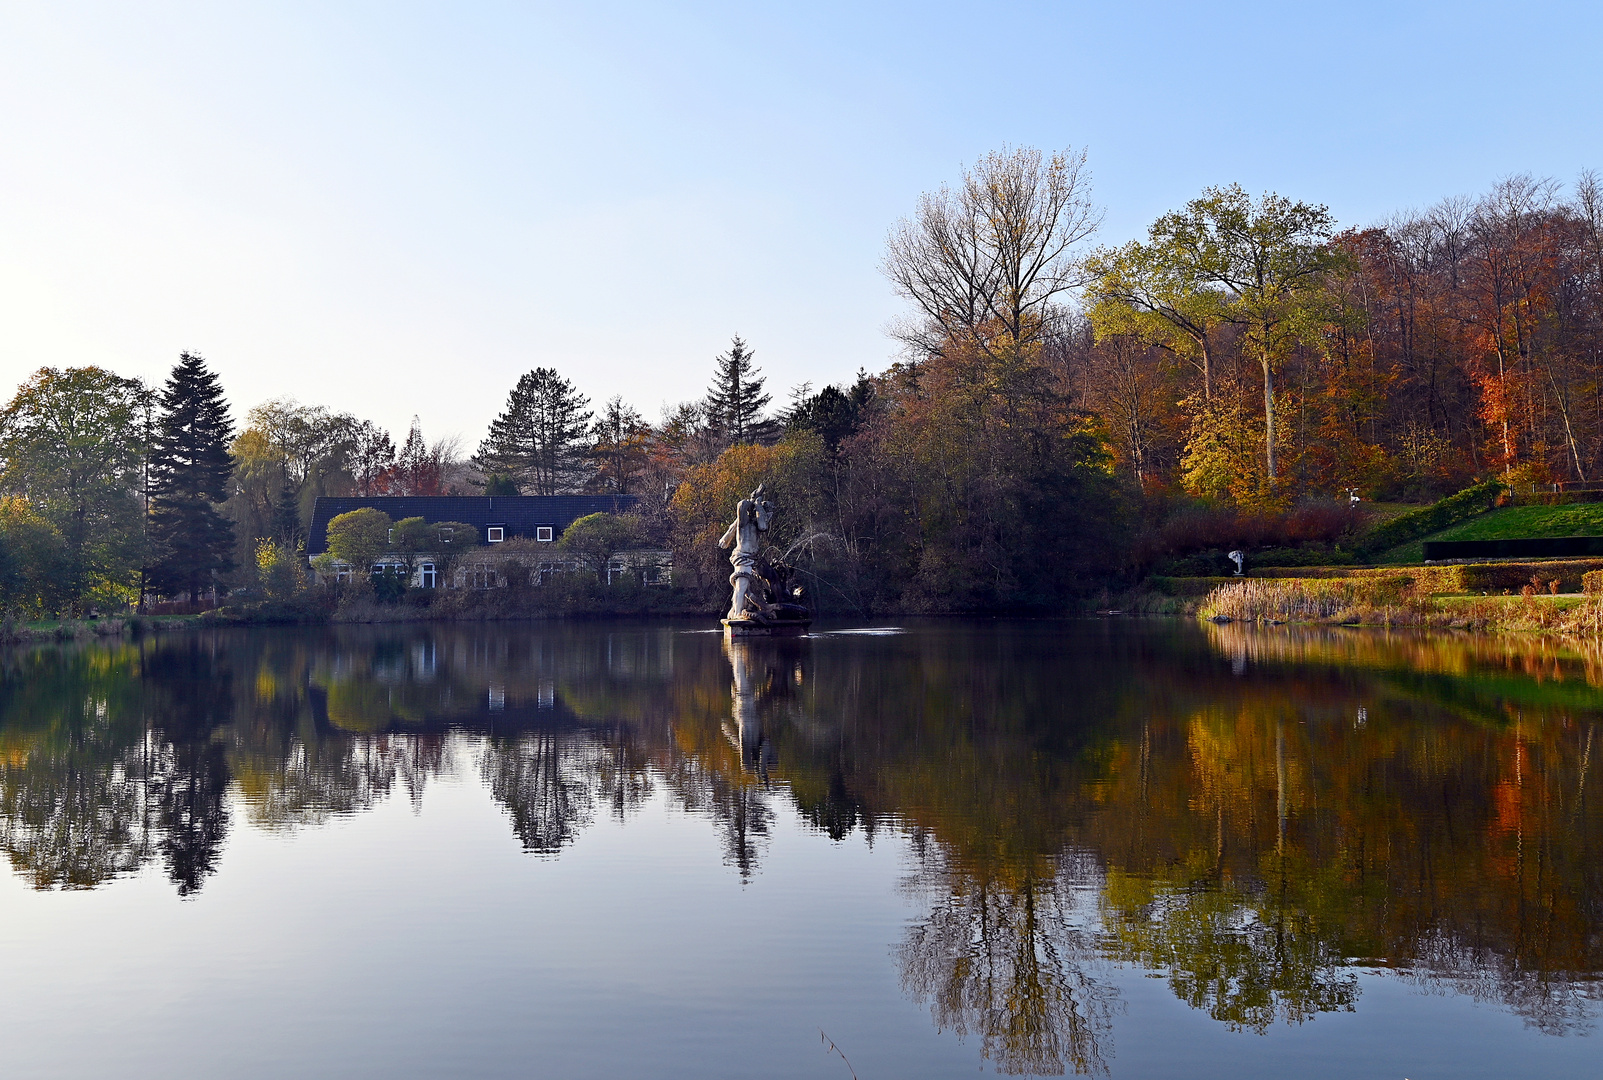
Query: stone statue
[[1240, 560], [746, 534], [763, 597]]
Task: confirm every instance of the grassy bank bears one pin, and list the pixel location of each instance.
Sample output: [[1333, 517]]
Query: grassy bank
[[1506, 523], [13, 632], [1391, 601]]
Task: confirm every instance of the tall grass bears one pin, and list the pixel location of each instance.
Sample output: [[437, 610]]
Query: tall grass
[[1390, 602], [1313, 600]]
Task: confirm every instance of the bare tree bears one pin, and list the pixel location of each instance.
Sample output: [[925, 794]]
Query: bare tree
[[985, 262]]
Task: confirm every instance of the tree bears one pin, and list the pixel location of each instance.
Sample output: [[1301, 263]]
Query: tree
[[1268, 257], [832, 413], [622, 443], [420, 468], [447, 543], [596, 538], [372, 455], [411, 539], [359, 539], [31, 561], [735, 401], [280, 570], [1149, 292], [985, 264], [72, 443], [539, 440], [190, 473], [288, 455]]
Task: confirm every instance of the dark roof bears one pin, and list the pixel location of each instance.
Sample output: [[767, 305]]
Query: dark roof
[[520, 515]]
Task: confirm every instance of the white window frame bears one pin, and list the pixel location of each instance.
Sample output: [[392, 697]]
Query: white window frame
[[494, 534], [446, 535], [544, 534], [428, 575]]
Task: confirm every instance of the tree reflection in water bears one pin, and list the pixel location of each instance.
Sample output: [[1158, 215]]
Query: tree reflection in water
[[1244, 813], [1008, 957]]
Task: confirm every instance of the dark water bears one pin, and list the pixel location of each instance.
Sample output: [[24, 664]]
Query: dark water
[[1137, 849]]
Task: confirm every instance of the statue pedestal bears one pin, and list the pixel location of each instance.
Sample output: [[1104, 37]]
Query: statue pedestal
[[736, 629]]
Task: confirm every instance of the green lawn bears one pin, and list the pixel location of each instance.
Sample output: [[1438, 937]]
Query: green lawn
[[1582, 519]]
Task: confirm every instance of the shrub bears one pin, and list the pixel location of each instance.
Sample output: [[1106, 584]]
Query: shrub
[[1194, 538]]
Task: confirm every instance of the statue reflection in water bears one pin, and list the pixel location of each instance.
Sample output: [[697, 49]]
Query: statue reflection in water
[[752, 677]]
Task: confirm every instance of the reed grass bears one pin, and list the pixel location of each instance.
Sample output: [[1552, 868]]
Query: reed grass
[[1316, 600], [1381, 602]]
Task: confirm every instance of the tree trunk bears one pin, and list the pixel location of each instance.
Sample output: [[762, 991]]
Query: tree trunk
[[1269, 419]]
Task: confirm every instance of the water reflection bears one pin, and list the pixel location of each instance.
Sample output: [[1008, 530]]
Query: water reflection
[[1248, 815]]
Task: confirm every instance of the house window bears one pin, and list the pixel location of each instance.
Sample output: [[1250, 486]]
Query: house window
[[429, 577], [495, 534], [547, 571], [544, 534], [446, 534], [651, 575], [389, 536], [483, 576]]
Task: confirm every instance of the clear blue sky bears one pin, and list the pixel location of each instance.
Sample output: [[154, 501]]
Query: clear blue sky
[[396, 208]]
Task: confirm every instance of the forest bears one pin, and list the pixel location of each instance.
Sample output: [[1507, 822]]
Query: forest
[[1059, 418]]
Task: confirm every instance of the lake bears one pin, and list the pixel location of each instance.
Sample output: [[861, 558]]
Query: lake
[[1127, 848]]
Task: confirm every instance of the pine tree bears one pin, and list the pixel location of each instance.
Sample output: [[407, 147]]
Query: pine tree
[[735, 401], [540, 441], [190, 469]]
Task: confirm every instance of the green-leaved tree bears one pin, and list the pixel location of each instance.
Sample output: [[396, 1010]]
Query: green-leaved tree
[[596, 538], [73, 442], [1268, 259], [359, 539]]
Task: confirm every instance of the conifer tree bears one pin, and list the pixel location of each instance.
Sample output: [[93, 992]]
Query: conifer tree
[[190, 469], [735, 401], [540, 442]]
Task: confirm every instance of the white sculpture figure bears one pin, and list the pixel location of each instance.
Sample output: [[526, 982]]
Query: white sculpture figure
[[1239, 559], [745, 535]]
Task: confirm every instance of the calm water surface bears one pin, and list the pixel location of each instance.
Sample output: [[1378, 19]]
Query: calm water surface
[[1114, 848]]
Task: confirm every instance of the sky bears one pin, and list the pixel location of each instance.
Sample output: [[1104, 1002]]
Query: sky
[[395, 209]]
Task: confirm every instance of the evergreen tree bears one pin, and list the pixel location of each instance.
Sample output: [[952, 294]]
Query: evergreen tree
[[190, 469], [735, 401], [287, 514], [832, 413], [541, 441]]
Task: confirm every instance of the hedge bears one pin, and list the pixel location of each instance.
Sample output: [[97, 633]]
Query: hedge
[[1476, 499]]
